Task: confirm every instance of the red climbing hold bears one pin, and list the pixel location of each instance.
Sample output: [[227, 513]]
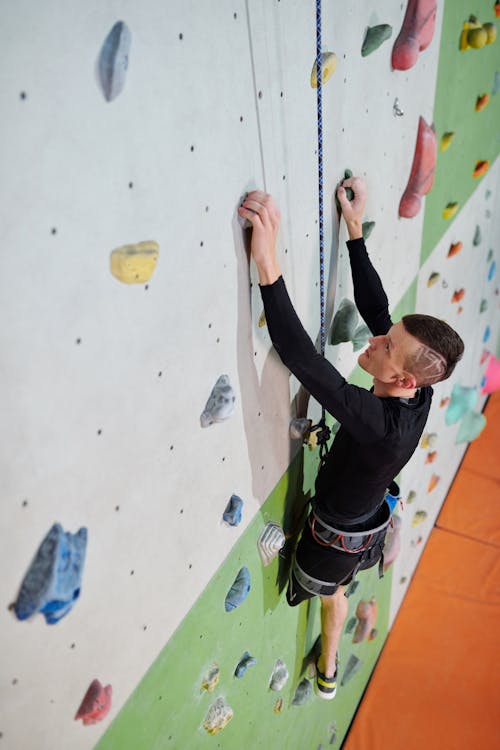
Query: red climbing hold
[[95, 704], [422, 171], [416, 33]]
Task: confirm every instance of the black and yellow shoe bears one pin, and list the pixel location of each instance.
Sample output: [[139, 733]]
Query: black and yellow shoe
[[326, 687]]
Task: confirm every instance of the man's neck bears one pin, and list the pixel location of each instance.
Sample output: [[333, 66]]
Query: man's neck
[[388, 390]]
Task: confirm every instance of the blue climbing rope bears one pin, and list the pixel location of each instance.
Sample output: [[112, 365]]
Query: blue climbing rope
[[323, 432]]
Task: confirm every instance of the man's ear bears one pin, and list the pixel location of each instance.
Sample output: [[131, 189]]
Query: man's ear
[[407, 380]]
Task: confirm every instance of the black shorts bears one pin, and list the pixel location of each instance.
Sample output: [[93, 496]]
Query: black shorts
[[327, 564]]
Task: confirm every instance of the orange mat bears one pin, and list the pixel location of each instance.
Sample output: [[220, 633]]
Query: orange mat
[[437, 681]]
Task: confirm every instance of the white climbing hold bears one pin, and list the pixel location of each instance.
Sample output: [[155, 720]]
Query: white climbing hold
[[219, 714], [279, 676], [220, 404], [270, 541], [300, 429]]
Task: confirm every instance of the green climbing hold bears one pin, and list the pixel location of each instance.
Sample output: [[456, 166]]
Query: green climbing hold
[[367, 228], [374, 37], [353, 665], [351, 624], [348, 191], [477, 236], [344, 323], [483, 306], [361, 336]]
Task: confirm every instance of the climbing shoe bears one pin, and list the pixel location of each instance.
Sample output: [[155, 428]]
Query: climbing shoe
[[326, 687]]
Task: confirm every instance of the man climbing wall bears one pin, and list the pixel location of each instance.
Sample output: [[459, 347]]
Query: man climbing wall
[[380, 428]]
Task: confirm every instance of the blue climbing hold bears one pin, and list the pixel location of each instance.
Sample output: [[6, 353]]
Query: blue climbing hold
[[53, 581], [238, 591], [491, 270], [232, 514], [243, 664], [487, 334], [113, 61]]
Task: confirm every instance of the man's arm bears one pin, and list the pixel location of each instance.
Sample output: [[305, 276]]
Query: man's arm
[[369, 295]]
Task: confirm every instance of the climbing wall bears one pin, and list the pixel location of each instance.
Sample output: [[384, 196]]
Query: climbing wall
[[127, 294]]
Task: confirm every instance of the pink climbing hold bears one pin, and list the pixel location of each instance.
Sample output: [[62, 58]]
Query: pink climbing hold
[[416, 33], [491, 376], [366, 612], [95, 704], [422, 171]]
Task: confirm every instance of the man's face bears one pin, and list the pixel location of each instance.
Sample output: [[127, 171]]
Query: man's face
[[386, 355]]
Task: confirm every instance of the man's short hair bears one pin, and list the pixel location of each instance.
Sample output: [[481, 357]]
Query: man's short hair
[[441, 348]]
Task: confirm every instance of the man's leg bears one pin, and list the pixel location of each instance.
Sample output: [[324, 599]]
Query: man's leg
[[333, 613]]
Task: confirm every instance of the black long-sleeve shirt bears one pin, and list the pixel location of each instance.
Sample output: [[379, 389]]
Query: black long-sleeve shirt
[[378, 435]]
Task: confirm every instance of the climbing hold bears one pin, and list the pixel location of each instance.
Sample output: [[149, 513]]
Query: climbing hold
[[446, 140], [113, 60], [53, 581], [463, 399], [354, 587], [366, 612], [481, 102], [367, 228], [434, 481], [328, 65], [279, 676], [374, 37], [300, 429], [372, 634], [411, 497], [429, 440], [416, 33], [220, 404], [211, 679], [353, 665], [278, 706], [431, 457], [348, 191], [134, 264], [484, 356], [243, 664], [491, 32], [238, 591], [491, 376], [95, 704], [450, 210], [303, 693], [454, 249], [490, 255], [232, 514], [470, 427], [486, 335], [396, 109], [392, 544], [419, 517], [270, 541], [496, 8], [344, 323], [432, 279], [477, 236], [361, 336], [444, 402], [477, 37], [458, 295], [218, 716], [262, 319], [422, 171], [496, 83], [491, 270], [481, 168], [351, 624], [483, 306], [416, 542]]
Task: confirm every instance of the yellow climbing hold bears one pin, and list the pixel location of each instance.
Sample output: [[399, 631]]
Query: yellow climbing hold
[[491, 31], [135, 264], [477, 38], [450, 210], [328, 65], [262, 319], [446, 140], [419, 517], [432, 278]]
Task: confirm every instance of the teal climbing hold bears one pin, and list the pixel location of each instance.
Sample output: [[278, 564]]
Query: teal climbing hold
[[374, 37], [471, 427], [463, 399], [239, 590], [361, 336]]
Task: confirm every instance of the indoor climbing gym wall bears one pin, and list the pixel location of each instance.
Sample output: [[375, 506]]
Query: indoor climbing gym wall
[[154, 471]]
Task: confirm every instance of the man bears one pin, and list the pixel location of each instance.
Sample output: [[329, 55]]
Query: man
[[380, 429]]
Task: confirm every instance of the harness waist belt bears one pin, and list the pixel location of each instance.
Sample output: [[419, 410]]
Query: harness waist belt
[[352, 542]]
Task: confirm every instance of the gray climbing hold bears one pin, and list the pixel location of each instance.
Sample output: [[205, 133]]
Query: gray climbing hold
[[361, 336], [396, 109], [344, 323], [53, 581], [351, 624], [220, 404], [113, 60], [300, 428], [243, 664], [270, 541], [232, 514], [483, 306], [367, 228], [279, 676], [238, 591], [303, 693], [374, 37], [477, 236], [353, 665]]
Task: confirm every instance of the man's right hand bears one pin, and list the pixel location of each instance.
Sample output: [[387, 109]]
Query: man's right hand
[[353, 210]]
